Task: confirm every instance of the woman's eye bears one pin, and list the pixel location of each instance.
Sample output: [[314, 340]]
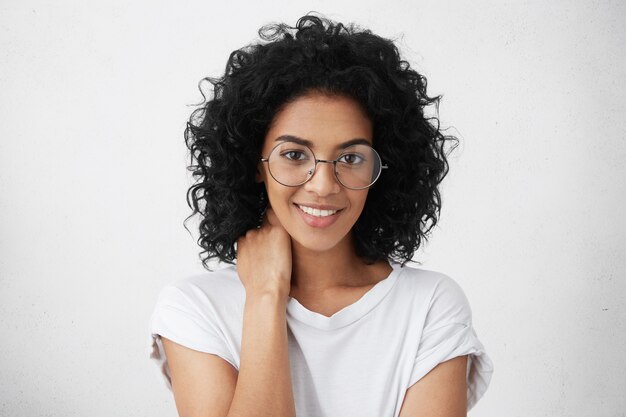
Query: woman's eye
[[351, 159], [294, 155]]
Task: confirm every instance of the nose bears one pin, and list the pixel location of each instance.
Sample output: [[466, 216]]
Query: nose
[[323, 181]]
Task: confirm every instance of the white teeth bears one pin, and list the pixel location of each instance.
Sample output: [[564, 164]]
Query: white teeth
[[317, 212]]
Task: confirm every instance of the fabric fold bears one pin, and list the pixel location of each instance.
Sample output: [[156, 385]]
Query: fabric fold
[[449, 342]]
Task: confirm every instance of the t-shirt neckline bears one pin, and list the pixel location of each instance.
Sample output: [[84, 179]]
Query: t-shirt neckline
[[350, 313]]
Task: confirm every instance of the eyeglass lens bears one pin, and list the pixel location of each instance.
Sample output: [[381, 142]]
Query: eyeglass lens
[[292, 164]]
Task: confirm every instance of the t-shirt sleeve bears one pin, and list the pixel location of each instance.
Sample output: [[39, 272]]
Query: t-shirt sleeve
[[447, 334], [178, 318]]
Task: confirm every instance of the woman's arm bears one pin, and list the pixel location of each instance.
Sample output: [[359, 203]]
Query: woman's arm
[[205, 385], [440, 393], [264, 382], [264, 267]]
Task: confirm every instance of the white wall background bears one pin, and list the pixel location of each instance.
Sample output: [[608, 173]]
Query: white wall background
[[93, 101]]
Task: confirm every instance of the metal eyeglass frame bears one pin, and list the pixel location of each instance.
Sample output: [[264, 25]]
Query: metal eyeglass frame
[[334, 162]]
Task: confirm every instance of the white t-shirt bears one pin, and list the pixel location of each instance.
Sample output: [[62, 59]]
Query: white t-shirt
[[358, 362]]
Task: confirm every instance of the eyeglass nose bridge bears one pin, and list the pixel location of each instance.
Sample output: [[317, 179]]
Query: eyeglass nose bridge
[[311, 172]]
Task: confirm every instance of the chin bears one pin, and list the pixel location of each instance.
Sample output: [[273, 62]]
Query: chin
[[316, 243], [319, 248]]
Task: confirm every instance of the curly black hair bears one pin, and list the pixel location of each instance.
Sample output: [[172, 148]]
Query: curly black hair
[[225, 134]]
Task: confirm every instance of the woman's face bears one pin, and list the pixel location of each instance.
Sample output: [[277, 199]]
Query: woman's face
[[327, 122]]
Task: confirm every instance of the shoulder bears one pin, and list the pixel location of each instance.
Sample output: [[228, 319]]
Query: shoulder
[[431, 282], [200, 312], [436, 292], [218, 286]]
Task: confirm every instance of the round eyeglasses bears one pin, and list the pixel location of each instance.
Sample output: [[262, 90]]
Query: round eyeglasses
[[292, 164]]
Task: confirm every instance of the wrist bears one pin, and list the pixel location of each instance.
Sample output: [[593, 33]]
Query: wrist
[[267, 296]]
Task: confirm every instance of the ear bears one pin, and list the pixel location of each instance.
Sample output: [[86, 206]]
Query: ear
[[260, 173]]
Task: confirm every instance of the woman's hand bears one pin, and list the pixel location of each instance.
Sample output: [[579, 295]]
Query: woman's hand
[[264, 258]]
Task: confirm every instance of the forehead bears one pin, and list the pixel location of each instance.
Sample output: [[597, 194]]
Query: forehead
[[323, 121]]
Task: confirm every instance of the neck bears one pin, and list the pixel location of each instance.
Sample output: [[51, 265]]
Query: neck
[[315, 272]]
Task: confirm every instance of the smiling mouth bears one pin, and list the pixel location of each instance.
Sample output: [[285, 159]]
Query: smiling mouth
[[322, 220]]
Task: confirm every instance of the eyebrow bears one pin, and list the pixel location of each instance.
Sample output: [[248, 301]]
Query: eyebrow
[[300, 141]]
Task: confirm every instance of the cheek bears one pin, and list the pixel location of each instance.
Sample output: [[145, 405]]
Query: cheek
[[358, 200], [278, 196]]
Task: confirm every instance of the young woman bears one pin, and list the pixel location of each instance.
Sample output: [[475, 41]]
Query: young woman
[[318, 173]]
